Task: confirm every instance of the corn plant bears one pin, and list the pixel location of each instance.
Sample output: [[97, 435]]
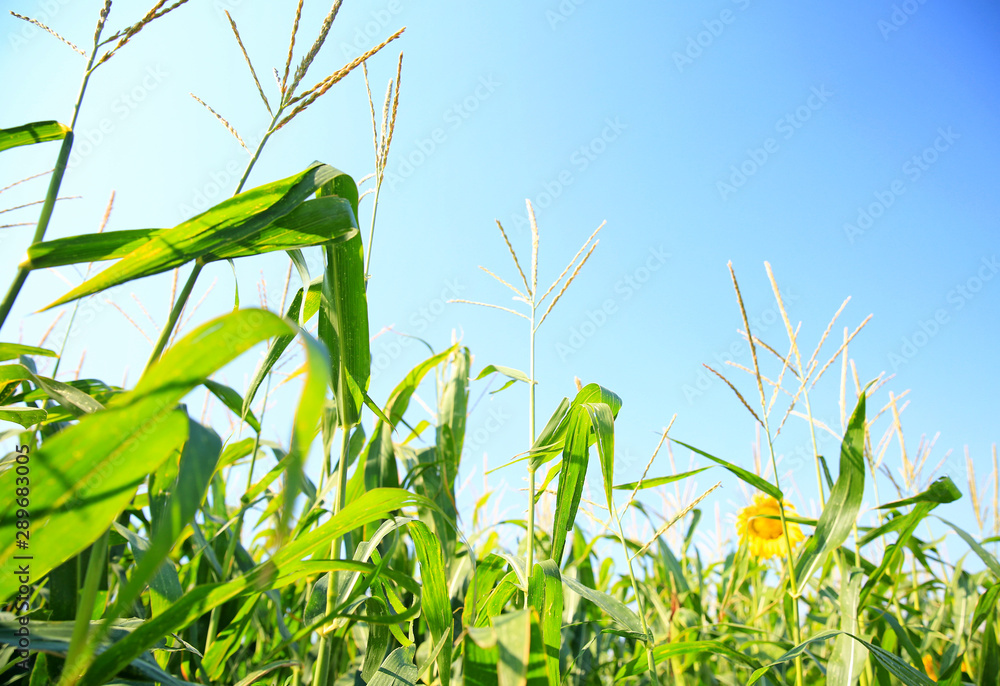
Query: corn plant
[[123, 561]]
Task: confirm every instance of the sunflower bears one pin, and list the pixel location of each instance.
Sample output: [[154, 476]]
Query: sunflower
[[930, 668], [756, 527]]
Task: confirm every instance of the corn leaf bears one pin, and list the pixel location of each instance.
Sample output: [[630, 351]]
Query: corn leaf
[[206, 236], [28, 134], [841, 511]]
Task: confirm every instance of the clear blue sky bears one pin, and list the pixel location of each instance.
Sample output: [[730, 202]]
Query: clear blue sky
[[852, 145]]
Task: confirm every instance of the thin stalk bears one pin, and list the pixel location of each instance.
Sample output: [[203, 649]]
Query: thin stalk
[[531, 441], [96, 568], [812, 433], [650, 660], [371, 231], [324, 660], [53, 192], [182, 299], [175, 314]]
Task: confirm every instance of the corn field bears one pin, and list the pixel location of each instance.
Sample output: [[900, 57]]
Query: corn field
[[344, 558]]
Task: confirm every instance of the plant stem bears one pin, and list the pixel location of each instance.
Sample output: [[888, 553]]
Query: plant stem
[[531, 441], [175, 314], [182, 299], [96, 569], [321, 675], [50, 197], [371, 231], [650, 660]]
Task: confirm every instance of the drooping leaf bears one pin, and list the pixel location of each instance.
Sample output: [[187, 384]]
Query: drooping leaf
[[314, 222], [748, 477], [613, 607], [659, 481], [989, 560], [237, 220], [28, 134], [941, 491], [343, 315], [10, 351]]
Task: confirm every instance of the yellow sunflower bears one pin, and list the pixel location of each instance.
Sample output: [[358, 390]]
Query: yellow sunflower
[[930, 667], [763, 534]]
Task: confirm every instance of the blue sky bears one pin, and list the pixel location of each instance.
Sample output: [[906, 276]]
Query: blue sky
[[852, 145]]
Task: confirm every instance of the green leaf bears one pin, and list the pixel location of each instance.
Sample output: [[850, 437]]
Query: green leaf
[[297, 312], [847, 660], [985, 607], [749, 477], [397, 669], [902, 671], [576, 455], [435, 600], [513, 376], [288, 565], [613, 607], [513, 632], [552, 438], [343, 316], [943, 490], [164, 585], [28, 134], [665, 651], [231, 399], [659, 481], [85, 475], [25, 416], [989, 660], [314, 222], [10, 351], [842, 507], [208, 235], [988, 559], [545, 595], [378, 639]]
